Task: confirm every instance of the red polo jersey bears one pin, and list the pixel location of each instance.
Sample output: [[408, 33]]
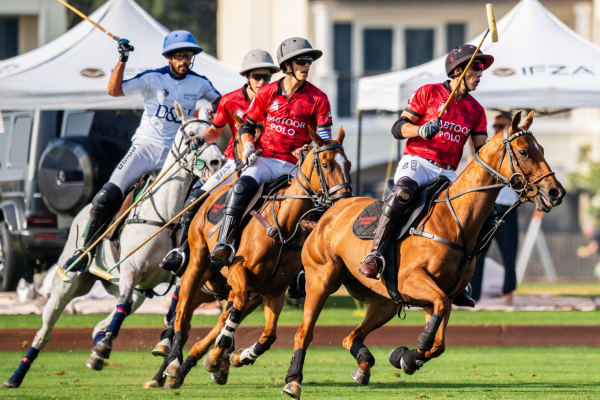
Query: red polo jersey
[[235, 102], [461, 118], [286, 121]]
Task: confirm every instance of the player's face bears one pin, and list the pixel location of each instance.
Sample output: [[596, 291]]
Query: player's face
[[474, 74], [258, 77], [180, 62], [301, 67]]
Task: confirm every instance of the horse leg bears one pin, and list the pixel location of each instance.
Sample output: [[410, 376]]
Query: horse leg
[[273, 307], [420, 286], [62, 294], [379, 311], [224, 342], [103, 344], [321, 282]]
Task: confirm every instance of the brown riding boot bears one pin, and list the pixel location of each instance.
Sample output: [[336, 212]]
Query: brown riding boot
[[374, 262]]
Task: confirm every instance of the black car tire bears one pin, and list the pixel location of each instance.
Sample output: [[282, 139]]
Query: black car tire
[[13, 266]]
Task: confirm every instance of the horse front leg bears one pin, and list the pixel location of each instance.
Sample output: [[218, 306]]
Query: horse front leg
[[273, 307], [379, 311], [62, 294], [237, 279], [421, 286], [103, 339]]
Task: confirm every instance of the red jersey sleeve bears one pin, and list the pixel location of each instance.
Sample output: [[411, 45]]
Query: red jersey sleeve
[[419, 102], [222, 116], [257, 108], [324, 113], [481, 126]]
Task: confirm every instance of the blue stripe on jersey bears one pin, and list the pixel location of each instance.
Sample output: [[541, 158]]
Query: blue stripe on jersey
[[163, 71]]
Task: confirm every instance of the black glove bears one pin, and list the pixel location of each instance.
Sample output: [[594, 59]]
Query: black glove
[[198, 141], [429, 130], [124, 48]]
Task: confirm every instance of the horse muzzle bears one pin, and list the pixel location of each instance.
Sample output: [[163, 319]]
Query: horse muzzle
[[545, 200]]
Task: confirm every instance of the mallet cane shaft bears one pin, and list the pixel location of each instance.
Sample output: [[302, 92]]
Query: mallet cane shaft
[[491, 28], [82, 15], [63, 273]]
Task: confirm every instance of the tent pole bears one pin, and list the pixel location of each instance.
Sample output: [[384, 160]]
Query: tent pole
[[358, 144]]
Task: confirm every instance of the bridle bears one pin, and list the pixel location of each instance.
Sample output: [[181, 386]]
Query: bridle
[[187, 139]]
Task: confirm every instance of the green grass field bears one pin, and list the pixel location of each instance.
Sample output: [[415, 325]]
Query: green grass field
[[339, 310], [461, 373]]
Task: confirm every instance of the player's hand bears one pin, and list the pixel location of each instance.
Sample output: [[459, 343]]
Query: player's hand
[[198, 141], [249, 155], [125, 48], [429, 130]]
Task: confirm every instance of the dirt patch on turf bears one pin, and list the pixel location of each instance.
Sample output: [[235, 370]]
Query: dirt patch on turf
[[329, 336]]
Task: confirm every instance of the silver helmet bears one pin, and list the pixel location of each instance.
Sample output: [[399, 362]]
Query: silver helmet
[[257, 58], [295, 47]]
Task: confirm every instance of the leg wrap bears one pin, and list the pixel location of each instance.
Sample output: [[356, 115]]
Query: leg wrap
[[190, 362], [396, 355], [99, 336], [177, 348], [250, 354], [427, 337], [173, 307], [296, 366], [188, 216], [169, 331], [414, 360], [19, 375], [225, 338], [361, 353], [229, 305], [123, 311]]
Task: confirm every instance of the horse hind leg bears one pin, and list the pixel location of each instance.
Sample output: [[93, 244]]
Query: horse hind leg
[[379, 311]]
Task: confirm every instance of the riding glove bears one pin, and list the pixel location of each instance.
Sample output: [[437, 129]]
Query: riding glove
[[197, 141], [429, 130], [124, 49], [249, 155]]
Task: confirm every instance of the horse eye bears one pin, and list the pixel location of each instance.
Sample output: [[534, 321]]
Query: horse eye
[[523, 153], [325, 166]]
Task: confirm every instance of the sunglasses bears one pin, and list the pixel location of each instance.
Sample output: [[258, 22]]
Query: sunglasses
[[477, 66], [260, 77], [499, 126], [181, 56], [302, 61]]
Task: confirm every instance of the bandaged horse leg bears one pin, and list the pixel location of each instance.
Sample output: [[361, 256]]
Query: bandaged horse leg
[[62, 294], [379, 311], [237, 279], [173, 307], [273, 306]]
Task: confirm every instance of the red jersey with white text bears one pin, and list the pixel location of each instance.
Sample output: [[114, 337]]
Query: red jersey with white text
[[461, 118], [236, 102], [286, 121]]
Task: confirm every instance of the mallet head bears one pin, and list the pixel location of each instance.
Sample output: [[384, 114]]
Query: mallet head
[[492, 22]]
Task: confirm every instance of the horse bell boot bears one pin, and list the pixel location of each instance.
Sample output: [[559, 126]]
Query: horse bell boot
[[395, 204], [104, 205], [237, 200]]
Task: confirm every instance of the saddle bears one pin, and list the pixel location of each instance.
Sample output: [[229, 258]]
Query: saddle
[[367, 221]]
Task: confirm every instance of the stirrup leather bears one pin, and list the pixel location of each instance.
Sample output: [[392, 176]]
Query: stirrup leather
[[176, 250], [224, 244], [379, 257]]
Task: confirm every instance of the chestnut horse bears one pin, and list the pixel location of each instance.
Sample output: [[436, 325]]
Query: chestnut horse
[[322, 178], [431, 272]]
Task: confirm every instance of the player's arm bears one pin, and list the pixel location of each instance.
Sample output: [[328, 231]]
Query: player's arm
[[478, 141], [212, 134], [115, 84], [406, 126]]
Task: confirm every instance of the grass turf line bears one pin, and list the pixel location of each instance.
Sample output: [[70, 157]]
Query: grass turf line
[[461, 373]]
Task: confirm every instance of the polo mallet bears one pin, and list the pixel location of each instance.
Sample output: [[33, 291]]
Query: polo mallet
[[82, 15], [63, 273], [107, 274], [491, 28]]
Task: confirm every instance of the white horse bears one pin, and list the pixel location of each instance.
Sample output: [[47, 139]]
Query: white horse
[[141, 271]]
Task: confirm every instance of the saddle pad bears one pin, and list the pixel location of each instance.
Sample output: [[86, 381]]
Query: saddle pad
[[367, 221], [215, 213]]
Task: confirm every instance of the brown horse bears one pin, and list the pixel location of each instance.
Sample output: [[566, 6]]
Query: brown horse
[[323, 177], [431, 273]]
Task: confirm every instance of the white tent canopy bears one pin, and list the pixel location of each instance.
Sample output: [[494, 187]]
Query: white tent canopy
[[72, 72], [539, 63]]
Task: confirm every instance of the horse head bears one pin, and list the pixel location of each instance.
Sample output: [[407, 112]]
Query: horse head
[[205, 160], [522, 163], [332, 177]]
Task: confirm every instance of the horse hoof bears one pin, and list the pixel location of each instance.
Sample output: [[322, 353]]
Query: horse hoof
[[211, 364], [405, 368], [151, 385], [95, 362], [220, 377], [173, 384], [103, 348], [293, 390], [361, 377], [162, 349], [235, 359], [9, 385], [173, 370]]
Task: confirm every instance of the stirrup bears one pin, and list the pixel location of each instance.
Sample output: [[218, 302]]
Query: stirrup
[[379, 257], [181, 253], [221, 245]]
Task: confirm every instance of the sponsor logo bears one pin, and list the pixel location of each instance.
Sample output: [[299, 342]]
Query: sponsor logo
[[126, 158], [274, 105], [555, 69], [403, 195], [413, 165], [165, 93], [164, 112], [405, 165], [92, 73], [367, 220], [286, 126], [504, 71], [442, 106]]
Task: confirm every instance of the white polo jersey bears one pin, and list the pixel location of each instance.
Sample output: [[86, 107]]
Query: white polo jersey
[[160, 89]]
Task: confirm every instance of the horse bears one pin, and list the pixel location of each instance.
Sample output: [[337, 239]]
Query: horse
[[322, 178], [140, 273], [434, 266]]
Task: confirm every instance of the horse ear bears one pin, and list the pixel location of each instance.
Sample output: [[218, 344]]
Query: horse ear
[[341, 135], [514, 126], [316, 138], [237, 119], [180, 113], [528, 120]]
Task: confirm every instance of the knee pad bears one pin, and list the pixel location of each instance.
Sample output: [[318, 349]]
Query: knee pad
[[188, 216], [106, 201], [400, 197], [239, 195]]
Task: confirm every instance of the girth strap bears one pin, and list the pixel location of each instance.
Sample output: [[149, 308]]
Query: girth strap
[[420, 232]]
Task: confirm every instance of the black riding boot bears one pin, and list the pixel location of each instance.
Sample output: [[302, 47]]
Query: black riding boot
[[104, 205], [237, 200], [177, 259], [395, 204]]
